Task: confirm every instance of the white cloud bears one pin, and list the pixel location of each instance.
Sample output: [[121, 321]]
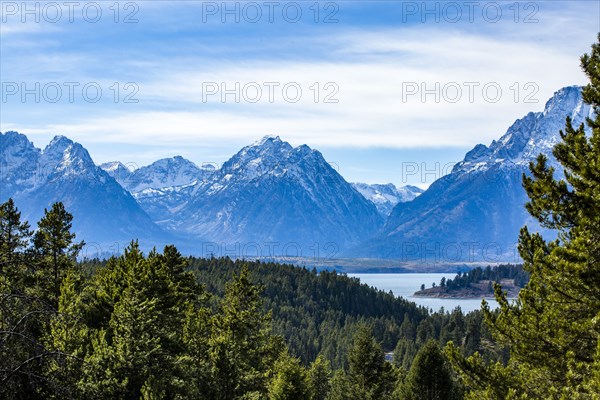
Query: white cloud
[[371, 67]]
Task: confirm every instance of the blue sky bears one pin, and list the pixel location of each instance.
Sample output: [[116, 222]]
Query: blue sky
[[392, 91]]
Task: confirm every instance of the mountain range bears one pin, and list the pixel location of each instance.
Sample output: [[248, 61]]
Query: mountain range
[[274, 200], [269, 199], [105, 214]]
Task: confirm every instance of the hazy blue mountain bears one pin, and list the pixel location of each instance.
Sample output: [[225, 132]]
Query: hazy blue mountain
[[476, 211], [167, 172], [386, 196], [104, 212], [271, 192], [274, 199], [118, 171], [162, 187]]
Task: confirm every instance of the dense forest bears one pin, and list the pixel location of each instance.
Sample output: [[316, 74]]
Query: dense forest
[[164, 326]]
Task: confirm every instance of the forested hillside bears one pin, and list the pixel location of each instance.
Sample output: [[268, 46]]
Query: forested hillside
[[318, 313], [164, 326]]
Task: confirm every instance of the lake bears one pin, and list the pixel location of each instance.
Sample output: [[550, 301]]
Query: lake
[[405, 285]]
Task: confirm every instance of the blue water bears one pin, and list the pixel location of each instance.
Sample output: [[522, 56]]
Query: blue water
[[406, 284]]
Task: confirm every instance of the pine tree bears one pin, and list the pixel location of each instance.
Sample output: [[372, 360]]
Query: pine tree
[[14, 239], [319, 377], [70, 336], [196, 360], [242, 346], [24, 315], [290, 380], [131, 324], [55, 249], [430, 377], [340, 387], [370, 376], [552, 330]]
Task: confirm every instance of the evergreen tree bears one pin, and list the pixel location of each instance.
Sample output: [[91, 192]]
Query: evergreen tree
[[14, 239], [196, 361], [370, 376], [340, 387], [55, 249], [242, 347], [552, 329], [430, 377], [319, 377], [128, 324], [24, 314], [70, 336], [290, 380]]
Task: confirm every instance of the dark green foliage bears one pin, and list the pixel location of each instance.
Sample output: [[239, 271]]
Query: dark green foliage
[[53, 243], [430, 377], [466, 331], [319, 379], [162, 326], [552, 329], [14, 239], [316, 313], [369, 375], [242, 350], [290, 381], [340, 387], [28, 301]]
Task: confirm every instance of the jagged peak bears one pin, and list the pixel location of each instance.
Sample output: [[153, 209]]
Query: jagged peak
[[304, 149], [113, 166], [566, 98], [411, 188], [15, 138], [528, 136], [59, 145], [12, 134], [267, 139], [62, 150], [478, 151], [59, 140], [177, 160]]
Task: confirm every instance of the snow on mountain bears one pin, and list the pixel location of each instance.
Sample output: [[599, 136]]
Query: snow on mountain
[[162, 187], [386, 196], [64, 171], [531, 135], [118, 171], [165, 173], [271, 192], [476, 211], [276, 199], [18, 163]]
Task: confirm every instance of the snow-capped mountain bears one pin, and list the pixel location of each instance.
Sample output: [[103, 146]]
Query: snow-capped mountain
[[162, 187], [19, 160], [104, 213], [164, 173], [271, 192], [118, 171], [529, 136], [476, 211], [275, 199], [385, 197]]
